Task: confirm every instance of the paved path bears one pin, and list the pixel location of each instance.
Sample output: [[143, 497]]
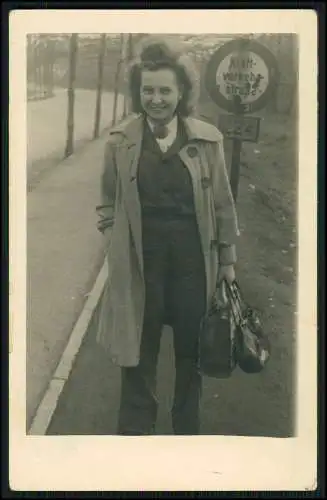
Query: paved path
[[64, 254]]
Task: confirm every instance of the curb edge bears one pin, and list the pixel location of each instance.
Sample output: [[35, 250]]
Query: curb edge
[[49, 401]]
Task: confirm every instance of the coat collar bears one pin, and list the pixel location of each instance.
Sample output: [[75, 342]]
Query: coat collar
[[199, 130], [132, 128]]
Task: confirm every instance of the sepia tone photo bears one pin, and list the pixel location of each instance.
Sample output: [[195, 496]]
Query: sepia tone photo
[[82, 87], [165, 242]]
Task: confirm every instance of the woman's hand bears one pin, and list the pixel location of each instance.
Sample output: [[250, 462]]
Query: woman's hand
[[227, 273]]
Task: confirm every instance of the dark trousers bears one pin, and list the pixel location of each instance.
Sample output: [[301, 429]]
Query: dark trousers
[[175, 286]]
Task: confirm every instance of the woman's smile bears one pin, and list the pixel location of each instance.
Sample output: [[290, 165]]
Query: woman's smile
[[155, 109]]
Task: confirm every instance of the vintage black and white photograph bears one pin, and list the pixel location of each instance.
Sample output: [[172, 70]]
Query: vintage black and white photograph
[[162, 233]]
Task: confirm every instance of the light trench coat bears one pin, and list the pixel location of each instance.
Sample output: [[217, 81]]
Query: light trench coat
[[122, 304]]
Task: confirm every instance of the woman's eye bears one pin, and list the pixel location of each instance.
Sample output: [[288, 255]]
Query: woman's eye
[[165, 91]]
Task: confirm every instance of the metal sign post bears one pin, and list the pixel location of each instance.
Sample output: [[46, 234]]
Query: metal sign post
[[236, 161], [241, 77]]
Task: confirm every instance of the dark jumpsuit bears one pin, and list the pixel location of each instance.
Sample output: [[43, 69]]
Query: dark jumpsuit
[[175, 290]]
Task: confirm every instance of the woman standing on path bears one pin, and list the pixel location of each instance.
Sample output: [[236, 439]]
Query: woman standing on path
[[170, 224]]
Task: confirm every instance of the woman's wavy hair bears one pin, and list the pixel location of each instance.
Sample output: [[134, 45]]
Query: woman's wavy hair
[[155, 53]]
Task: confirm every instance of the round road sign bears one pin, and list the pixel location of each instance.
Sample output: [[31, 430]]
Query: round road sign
[[241, 76]]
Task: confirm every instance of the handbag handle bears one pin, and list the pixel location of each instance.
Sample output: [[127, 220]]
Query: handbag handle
[[234, 291], [236, 301]]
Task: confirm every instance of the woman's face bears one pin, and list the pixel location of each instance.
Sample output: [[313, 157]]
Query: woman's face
[[159, 94]]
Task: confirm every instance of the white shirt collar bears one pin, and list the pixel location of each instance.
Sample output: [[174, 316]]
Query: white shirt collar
[[172, 127]]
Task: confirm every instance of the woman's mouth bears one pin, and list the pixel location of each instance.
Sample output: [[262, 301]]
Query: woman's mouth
[[157, 108]]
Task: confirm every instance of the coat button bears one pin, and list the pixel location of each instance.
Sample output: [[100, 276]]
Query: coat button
[[205, 181], [192, 151]]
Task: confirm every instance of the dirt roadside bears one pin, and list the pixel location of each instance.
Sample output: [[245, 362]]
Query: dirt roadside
[[267, 271]]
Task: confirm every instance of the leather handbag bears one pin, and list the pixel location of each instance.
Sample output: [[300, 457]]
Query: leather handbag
[[253, 349], [231, 334], [217, 337]]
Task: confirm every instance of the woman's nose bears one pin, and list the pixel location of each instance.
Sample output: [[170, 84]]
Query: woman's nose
[[156, 98]]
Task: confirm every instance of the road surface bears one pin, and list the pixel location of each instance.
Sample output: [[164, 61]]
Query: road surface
[[47, 127]]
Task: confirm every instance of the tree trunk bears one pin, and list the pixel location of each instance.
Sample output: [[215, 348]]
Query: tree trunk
[[71, 93], [99, 86], [116, 89]]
